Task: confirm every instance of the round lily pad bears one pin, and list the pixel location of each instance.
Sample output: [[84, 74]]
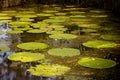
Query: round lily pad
[[20, 23], [63, 36], [35, 31], [26, 16], [32, 46], [1, 32], [64, 52], [4, 48], [44, 15], [96, 63], [26, 56], [48, 70], [54, 32], [14, 32], [110, 37], [99, 44], [5, 18]]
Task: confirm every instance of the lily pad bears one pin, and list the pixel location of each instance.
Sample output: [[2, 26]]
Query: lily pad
[[4, 48], [35, 31], [44, 15], [50, 11], [32, 46], [5, 18], [64, 52], [96, 63], [54, 32], [20, 23], [63, 36], [48, 70], [26, 16], [1, 32], [26, 56], [99, 44], [14, 32], [110, 37]]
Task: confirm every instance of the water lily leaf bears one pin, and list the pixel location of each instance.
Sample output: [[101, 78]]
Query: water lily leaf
[[14, 32], [35, 31], [7, 21], [26, 56], [50, 11], [99, 44], [26, 20], [54, 32], [4, 48], [22, 29], [39, 25], [63, 36], [96, 63], [27, 12], [1, 32], [32, 46], [54, 20], [110, 37], [26, 16], [77, 12], [94, 26], [5, 18], [48, 70], [64, 52], [20, 23], [99, 16], [44, 15], [60, 14], [78, 16], [3, 14]]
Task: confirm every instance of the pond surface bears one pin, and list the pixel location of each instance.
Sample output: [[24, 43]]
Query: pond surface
[[87, 23]]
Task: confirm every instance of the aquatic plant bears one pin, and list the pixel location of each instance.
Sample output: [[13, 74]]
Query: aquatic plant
[[15, 23], [64, 52], [63, 36], [50, 11], [110, 37], [44, 15], [14, 31], [96, 63], [26, 56], [48, 70], [26, 20], [32, 46], [26, 16], [99, 44], [1, 32], [35, 31], [4, 48], [54, 32], [5, 18]]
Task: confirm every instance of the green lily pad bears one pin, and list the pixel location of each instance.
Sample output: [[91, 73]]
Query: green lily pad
[[63, 36], [89, 25], [44, 15], [77, 16], [22, 29], [50, 11], [54, 32], [26, 16], [60, 14], [77, 12], [1, 32], [26, 56], [99, 44], [64, 52], [99, 16], [35, 31], [110, 37], [96, 63], [48, 70], [20, 23], [54, 20], [4, 48], [26, 20], [39, 25], [5, 18], [14, 32], [3, 14], [32, 46]]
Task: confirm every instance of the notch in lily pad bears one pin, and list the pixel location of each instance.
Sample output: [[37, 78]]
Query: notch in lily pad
[[32, 46], [63, 36], [99, 44], [26, 56], [64, 52], [96, 63], [48, 70]]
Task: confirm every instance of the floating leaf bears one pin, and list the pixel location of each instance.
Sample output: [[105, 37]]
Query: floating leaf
[[54, 32], [44, 15], [4, 48], [26, 56], [63, 36], [1, 32], [110, 37], [64, 52], [100, 44], [20, 23], [32, 46], [14, 32], [26, 16], [48, 70], [35, 31], [5, 18], [50, 11], [97, 63]]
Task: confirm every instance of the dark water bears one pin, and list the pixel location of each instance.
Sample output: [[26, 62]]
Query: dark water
[[10, 70]]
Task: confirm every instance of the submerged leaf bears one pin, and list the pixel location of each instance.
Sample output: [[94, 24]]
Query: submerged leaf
[[26, 56], [48, 70], [32, 46], [100, 44], [97, 63], [64, 52]]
